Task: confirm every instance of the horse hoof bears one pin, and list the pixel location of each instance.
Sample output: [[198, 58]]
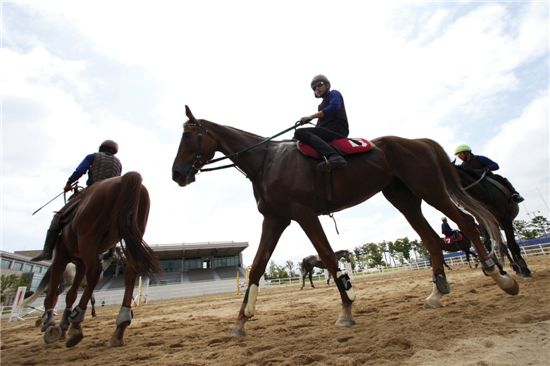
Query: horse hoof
[[74, 340], [513, 288], [38, 322], [237, 332], [115, 343], [345, 323], [432, 304], [52, 334]]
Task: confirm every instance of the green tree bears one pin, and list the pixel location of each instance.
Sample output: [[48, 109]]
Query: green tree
[[540, 225], [9, 285], [523, 230], [403, 246], [290, 267]]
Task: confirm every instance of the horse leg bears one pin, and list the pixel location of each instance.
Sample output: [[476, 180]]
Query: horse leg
[[70, 298], [92, 302], [272, 229], [410, 206], [467, 225], [522, 268], [93, 272], [125, 313], [52, 333], [313, 229], [311, 278]]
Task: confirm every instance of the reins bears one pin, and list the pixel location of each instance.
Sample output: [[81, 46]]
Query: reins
[[236, 154], [476, 182]]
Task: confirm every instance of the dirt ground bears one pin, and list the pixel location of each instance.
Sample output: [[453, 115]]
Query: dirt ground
[[479, 325]]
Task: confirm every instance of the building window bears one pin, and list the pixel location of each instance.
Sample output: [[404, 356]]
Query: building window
[[232, 261], [6, 263], [27, 267], [17, 266]]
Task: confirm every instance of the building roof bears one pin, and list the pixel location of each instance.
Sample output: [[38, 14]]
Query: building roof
[[197, 250], [177, 250]]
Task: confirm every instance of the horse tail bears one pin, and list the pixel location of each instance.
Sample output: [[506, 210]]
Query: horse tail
[[42, 286], [460, 196], [127, 210]]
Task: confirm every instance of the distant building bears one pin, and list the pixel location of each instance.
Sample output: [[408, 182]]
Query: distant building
[[180, 263]]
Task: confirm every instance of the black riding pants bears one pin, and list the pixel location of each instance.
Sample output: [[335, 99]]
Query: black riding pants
[[318, 138]]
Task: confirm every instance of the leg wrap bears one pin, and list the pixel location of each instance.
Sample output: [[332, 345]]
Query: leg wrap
[[344, 284], [77, 315], [124, 315], [64, 324], [489, 263], [441, 283], [250, 300]]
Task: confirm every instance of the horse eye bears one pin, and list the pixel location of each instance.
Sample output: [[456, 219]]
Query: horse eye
[[187, 135]]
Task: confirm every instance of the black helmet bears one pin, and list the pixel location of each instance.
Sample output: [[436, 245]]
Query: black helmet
[[319, 78], [110, 145]]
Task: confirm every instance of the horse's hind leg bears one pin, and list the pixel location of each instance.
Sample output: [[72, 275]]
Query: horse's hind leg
[[272, 228], [465, 222], [514, 248], [410, 206], [71, 296], [313, 229], [125, 314], [93, 271]]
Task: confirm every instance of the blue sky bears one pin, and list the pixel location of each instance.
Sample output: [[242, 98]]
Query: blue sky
[[74, 73]]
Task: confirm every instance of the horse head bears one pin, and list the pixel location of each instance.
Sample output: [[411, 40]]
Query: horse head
[[346, 254], [195, 149]]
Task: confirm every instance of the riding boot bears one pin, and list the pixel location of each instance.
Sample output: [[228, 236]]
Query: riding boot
[[516, 197], [51, 238], [332, 158]]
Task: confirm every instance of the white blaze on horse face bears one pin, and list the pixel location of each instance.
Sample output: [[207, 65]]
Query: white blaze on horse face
[[250, 307], [346, 283]]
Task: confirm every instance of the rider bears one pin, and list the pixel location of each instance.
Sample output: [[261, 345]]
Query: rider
[[332, 123], [100, 165], [446, 229], [483, 163]]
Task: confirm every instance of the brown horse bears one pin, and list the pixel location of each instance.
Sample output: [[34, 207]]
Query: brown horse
[[287, 187], [111, 210], [312, 261]]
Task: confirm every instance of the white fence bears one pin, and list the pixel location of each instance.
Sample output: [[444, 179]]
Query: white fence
[[526, 251]]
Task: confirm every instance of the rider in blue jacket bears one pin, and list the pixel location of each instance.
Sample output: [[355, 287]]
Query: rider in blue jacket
[[480, 163], [332, 123], [100, 165]]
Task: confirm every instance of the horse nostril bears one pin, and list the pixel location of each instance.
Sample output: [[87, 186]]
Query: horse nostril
[[175, 175]]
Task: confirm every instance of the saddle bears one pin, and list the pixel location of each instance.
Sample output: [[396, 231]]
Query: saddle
[[455, 237], [346, 146]]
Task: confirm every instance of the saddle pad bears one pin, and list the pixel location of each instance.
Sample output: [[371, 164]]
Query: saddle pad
[[344, 146], [450, 240]]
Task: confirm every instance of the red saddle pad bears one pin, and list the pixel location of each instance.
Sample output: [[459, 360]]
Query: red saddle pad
[[345, 146]]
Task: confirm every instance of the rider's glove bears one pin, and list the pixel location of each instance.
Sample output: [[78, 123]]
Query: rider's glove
[[67, 187]]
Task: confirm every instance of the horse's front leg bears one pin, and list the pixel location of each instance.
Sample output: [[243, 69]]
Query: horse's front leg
[[272, 228], [125, 313], [313, 229]]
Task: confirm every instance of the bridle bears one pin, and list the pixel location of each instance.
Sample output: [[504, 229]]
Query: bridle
[[198, 162]]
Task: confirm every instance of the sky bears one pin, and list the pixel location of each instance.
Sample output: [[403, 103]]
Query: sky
[[74, 73]]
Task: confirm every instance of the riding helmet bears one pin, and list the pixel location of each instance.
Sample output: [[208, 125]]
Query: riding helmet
[[462, 148], [319, 78], [110, 144]]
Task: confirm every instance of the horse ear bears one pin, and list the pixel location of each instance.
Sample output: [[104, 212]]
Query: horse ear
[[189, 114]]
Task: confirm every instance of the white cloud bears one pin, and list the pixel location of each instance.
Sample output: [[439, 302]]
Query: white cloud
[[252, 71]]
